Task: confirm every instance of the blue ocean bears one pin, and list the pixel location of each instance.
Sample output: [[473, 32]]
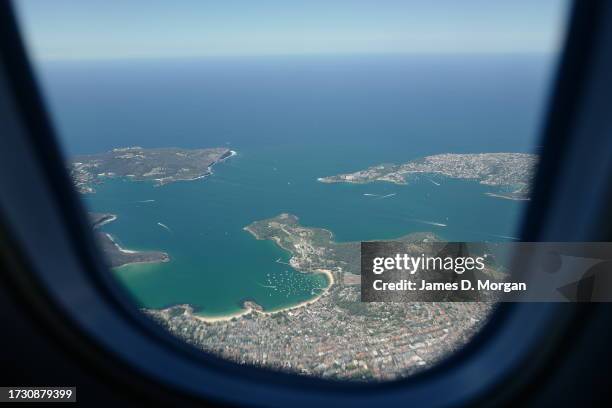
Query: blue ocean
[[292, 120]]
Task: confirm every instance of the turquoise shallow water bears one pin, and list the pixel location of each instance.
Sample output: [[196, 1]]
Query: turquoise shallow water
[[291, 120], [216, 264]]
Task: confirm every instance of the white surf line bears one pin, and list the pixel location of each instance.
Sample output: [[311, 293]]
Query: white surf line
[[125, 251], [437, 224], [232, 154], [209, 169], [112, 218], [164, 227]]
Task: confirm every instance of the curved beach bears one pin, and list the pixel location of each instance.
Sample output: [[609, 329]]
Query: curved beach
[[250, 309]]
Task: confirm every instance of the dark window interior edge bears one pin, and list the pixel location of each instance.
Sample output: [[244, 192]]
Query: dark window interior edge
[[568, 93]]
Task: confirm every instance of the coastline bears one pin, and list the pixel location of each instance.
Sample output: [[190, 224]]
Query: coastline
[[119, 248], [333, 180], [132, 252], [140, 263], [109, 245], [223, 318], [209, 172], [108, 220], [331, 281], [248, 309], [506, 197], [232, 153]]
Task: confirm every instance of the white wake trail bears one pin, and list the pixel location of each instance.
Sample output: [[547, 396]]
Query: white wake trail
[[437, 224], [164, 226]]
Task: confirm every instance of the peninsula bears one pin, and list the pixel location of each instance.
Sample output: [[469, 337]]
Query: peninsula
[[116, 256], [511, 171], [160, 165]]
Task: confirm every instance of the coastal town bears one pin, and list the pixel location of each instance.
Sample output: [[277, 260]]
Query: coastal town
[[334, 335], [512, 171]]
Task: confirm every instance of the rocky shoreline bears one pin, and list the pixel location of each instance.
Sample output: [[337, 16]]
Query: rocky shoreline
[[114, 254]]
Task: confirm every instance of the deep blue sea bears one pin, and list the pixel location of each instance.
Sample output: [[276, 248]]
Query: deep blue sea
[[292, 120]]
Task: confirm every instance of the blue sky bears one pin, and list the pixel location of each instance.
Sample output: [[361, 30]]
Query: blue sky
[[117, 29]]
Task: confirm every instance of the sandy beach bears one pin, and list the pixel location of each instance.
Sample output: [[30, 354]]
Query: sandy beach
[[119, 248], [249, 310], [224, 318]]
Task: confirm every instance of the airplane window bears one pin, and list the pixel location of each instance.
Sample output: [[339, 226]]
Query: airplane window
[[232, 156]]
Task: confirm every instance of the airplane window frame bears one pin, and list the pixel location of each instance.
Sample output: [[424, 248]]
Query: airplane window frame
[[62, 269]]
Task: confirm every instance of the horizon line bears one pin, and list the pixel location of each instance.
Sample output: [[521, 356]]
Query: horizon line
[[292, 55]]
